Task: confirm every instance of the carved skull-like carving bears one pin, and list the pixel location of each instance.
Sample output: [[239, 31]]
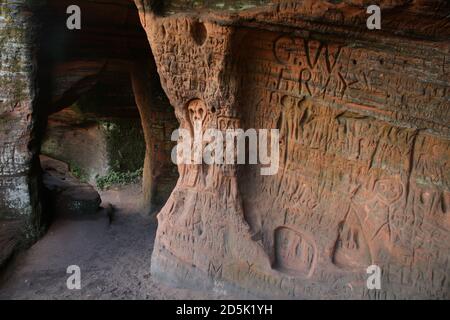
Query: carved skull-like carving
[[197, 114]]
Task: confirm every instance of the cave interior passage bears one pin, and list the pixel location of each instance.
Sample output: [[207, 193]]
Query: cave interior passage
[[106, 120]]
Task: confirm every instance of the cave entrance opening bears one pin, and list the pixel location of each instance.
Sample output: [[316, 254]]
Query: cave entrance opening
[[108, 121], [114, 140], [99, 119], [94, 146]]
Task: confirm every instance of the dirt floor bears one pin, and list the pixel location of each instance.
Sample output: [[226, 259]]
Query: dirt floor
[[114, 258]]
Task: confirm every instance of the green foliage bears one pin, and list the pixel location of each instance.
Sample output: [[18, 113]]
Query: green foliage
[[125, 143], [78, 173], [118, 178]]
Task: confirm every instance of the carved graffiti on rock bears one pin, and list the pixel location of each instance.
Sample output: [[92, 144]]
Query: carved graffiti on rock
[[294, 253]]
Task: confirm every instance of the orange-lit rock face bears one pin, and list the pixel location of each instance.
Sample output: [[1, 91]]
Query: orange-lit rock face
[[364, 158], [363, 118]]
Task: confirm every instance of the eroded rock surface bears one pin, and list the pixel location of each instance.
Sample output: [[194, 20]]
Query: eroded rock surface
[[364, 124], [363, 117], [17, 97], [67, 196]]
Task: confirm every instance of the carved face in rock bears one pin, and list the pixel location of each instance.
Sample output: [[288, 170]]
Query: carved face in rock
[[197, 114]]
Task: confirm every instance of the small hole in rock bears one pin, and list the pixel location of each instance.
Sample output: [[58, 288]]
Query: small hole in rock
[[199, 33]]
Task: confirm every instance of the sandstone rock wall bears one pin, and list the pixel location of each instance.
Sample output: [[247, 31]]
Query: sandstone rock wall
[[18, 188], [364, 118], [80, 143], [364, 157]]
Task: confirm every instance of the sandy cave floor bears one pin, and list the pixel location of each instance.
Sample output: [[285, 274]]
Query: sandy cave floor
[[114, 259]]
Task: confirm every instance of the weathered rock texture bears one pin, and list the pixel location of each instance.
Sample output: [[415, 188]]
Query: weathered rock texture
[[78, 142], [364, 122], [67, 196], [364, 118], [17, 94], [20, 210]]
